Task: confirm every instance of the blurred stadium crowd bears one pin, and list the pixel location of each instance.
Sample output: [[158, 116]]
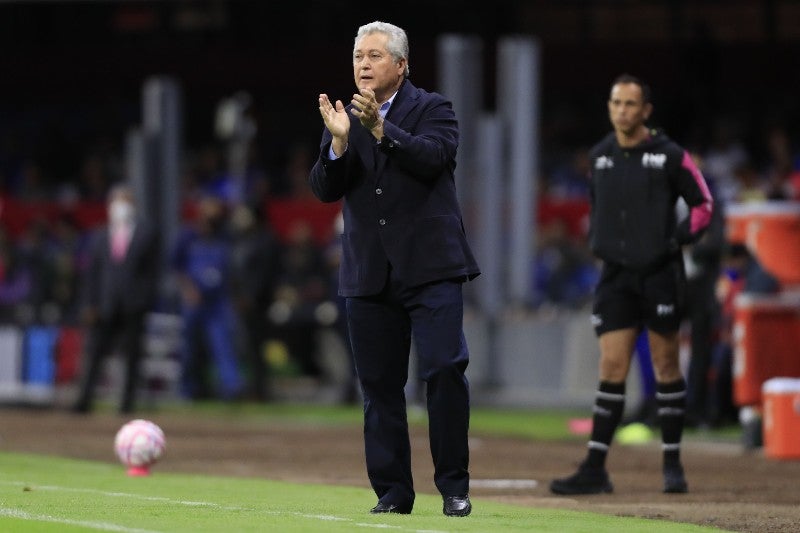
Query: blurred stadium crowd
[[45, 224]]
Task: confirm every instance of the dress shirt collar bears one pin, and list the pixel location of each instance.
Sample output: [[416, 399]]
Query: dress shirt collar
[[386, 105]]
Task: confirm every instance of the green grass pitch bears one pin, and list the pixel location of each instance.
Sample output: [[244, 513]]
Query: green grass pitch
[[53, 494]]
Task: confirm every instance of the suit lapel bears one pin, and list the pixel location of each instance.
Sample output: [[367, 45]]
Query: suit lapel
[[365, 142], [402, 105], [135, 241]]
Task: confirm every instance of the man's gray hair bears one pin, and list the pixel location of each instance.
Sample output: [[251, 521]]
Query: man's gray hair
[[396, 45]]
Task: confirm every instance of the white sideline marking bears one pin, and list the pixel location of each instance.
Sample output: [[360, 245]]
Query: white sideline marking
[[188, 503], [105, 526], [315, 516], [504, 483], [113, 527], [387, 526]]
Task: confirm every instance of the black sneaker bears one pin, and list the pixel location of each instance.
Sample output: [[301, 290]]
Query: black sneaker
[[587, 480], [674, 481]]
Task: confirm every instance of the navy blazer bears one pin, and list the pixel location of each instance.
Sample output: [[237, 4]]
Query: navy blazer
[[400, 206]]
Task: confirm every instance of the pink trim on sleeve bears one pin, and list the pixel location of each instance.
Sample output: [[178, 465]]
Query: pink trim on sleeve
[[700, 215]]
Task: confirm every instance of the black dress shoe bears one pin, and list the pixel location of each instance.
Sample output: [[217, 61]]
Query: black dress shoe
[[390, 508], [457, 505]]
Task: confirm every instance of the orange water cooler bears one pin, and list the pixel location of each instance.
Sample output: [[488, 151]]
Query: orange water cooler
[[771, 232], [781, 418], [766, 327], [766, 336]]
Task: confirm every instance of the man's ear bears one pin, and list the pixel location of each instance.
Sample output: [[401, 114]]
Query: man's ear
[[648, 109]]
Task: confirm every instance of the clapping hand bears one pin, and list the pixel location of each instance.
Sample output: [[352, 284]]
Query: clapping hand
[[366, 108], [337, 122]]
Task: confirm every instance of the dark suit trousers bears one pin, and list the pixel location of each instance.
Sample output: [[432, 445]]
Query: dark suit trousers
[[380, 331], [128, 329]]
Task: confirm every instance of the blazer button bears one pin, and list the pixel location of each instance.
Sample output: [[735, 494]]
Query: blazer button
[[382, 222], [378, 191]]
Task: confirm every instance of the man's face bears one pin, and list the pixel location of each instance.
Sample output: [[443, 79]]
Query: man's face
[[374, 68], [626, 108], [120, 207]]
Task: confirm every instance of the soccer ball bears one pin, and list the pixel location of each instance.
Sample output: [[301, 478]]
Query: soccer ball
[[138, 444]]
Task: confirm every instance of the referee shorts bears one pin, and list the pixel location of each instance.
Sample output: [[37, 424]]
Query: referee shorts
[[652, 298]]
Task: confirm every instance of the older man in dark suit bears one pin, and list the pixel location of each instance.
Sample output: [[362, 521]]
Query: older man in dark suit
[[391, 155], [119, 288]]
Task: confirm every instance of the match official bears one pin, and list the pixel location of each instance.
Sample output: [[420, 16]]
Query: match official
[[637, 176]]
